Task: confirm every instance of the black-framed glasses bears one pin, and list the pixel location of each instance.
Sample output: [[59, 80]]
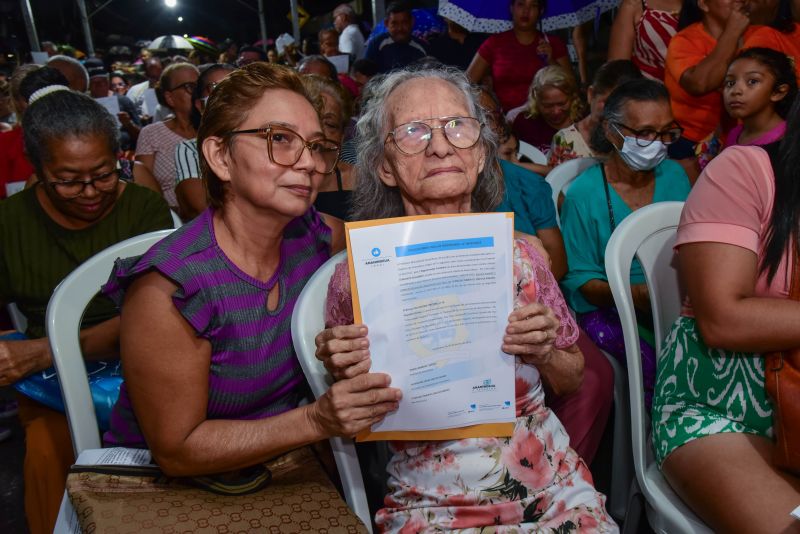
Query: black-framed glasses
[[70, 189], [414, 137], [285, 147], [645, 138], [189, 87]]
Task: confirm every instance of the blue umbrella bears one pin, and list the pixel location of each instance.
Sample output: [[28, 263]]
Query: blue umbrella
[[495, 16]]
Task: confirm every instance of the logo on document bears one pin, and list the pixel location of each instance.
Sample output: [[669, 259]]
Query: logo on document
[[375, 252], [485, 386], [473, 407], [506, 404]]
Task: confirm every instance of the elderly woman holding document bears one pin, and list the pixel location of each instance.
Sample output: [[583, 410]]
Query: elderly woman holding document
[[429, 152]]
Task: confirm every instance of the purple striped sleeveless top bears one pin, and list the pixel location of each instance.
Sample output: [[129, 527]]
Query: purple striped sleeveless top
[[254, 371]]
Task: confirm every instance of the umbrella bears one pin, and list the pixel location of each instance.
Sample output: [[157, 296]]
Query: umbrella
[[494, 17], [425, 23], [203, 44], [170, 42]]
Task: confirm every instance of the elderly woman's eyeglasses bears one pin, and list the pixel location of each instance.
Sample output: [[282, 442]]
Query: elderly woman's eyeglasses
[[645, 138], [70, 189], [285, 147], [414, 137]]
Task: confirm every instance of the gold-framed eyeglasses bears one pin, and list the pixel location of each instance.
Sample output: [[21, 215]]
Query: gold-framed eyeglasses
[[285, 147], [69, 189], [415, 136]]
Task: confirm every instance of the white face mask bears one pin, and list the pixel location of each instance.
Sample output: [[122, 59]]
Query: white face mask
[[641, 158]]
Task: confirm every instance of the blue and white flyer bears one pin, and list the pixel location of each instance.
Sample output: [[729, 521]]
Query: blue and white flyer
[[436, 293]]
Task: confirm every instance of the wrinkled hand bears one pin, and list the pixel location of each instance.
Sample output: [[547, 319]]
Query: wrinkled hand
[[19, 359], [545, 51], [354, 404], [344, 350], [531, 332]]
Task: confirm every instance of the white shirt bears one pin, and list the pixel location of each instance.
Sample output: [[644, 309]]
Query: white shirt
[[352, 42]]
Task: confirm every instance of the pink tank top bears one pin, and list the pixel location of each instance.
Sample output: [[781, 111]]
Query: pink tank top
[[653, 33]]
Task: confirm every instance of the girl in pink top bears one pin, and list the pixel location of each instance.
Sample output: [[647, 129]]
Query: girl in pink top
[[759, 89]]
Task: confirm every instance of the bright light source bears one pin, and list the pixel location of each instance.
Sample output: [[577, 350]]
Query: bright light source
[[180, 19], [185, 35], [170, 3]]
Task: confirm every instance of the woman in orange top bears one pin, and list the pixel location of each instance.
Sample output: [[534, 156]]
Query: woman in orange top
[[709, 36]]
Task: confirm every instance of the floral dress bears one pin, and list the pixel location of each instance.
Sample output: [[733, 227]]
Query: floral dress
[[529, 482]]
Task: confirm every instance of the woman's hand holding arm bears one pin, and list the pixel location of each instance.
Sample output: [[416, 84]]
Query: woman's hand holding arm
[[531, 334]]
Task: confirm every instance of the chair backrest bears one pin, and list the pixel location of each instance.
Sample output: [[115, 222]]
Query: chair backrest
[[532, 153], [564, 174], [18, 320], [307, 322], [63, 321], [649, 234]]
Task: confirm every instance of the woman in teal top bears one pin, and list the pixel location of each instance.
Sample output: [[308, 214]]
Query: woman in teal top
[[636, 128]]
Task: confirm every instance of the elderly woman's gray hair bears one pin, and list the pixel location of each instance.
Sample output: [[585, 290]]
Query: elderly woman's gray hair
[[372, 199], [641, 90]]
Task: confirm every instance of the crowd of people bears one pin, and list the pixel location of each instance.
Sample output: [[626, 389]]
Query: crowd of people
[[264, 153]]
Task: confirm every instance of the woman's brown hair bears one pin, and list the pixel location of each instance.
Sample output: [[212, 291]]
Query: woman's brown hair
[[228, 106]]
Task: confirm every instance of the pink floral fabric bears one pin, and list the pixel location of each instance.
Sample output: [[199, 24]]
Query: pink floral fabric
[[529, 482]]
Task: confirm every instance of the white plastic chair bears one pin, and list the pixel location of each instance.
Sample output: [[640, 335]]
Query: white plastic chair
[[564, 174], [176, 219], [649, 234], [63, 320], [307, 322], [532, 153]]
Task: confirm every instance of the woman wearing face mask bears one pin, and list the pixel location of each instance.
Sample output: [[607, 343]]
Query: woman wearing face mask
[[636, 128]]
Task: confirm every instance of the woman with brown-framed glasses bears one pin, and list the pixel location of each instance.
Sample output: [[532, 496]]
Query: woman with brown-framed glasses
[[636, 128], [155, 147], [212, 383]]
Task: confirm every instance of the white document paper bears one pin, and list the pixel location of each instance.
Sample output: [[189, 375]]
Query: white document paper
[[436, 295], [111, 103], [115, 456], [341, 62], [40, 58], [150, 102]]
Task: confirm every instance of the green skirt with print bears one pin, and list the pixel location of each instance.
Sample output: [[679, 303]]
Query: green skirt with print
[[702, 391]]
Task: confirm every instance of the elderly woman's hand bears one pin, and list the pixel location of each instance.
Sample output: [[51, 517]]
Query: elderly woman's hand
[[531, 332], [344, 350], [354, 404]]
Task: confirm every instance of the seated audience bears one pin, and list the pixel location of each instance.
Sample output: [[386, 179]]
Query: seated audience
[[333, 194], [319, 65], [776, 28], [633, 136], [511, 59], [328, 42], [157, 141], [250, 54], [351, 41], [759, 90], [533, 480], [583, 413], [100, 87], [397, 47], [712, 419], [78, 207], [73, 70], [574, 140], [554, 102], [189, 189], [15, 169], [697, 60], [212, 302], [153, 67], [641, 33]]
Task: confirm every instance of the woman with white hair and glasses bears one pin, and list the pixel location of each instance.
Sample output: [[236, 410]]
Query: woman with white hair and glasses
[[636, 128], [423, 133]]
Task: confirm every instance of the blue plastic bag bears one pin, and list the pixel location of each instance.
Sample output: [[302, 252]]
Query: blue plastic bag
[[105, 379]]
